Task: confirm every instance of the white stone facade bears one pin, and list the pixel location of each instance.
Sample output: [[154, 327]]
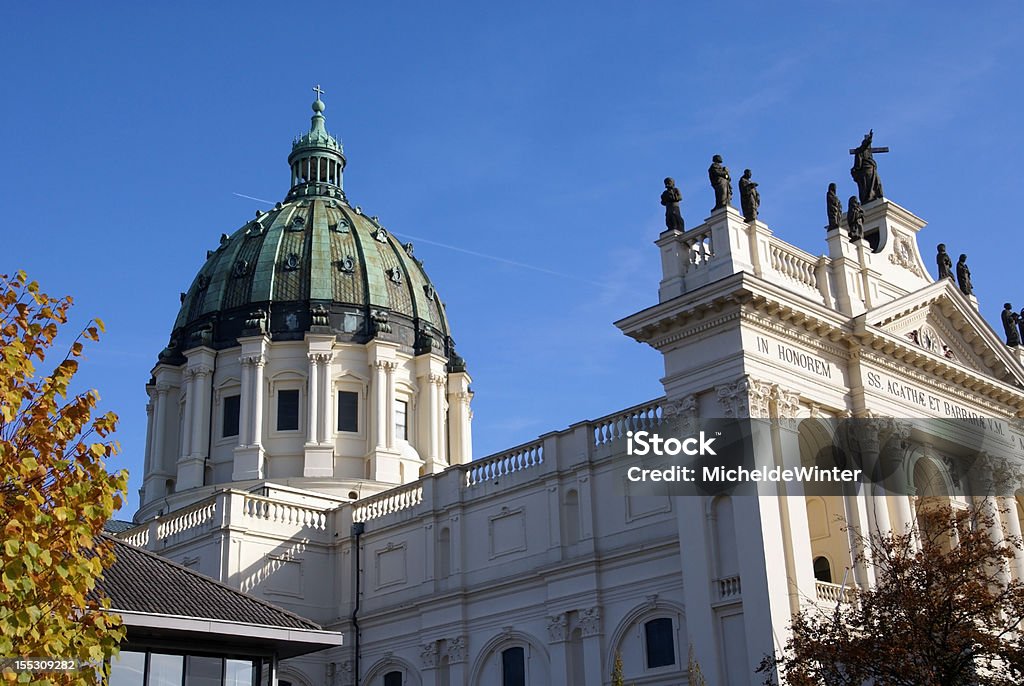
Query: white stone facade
[[544, 547], [188, 451]]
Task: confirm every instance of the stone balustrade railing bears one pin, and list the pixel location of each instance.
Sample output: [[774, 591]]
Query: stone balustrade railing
[[639, 418], [226, 507], [400, 498], [287, 514], [700, 248], [515, 460], [139, 536], [185, 524], [794, 264], [728, 587], [834, 593]]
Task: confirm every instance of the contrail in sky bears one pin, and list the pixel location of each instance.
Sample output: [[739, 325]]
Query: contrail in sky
[[242, 195], [521, 265]]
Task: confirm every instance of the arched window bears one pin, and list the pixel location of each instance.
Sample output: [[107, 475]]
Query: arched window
[[513, 667], [659, 643], [393, 678], [822, 570]]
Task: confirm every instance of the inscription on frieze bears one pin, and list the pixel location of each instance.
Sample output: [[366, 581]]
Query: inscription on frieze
[[794, 357]]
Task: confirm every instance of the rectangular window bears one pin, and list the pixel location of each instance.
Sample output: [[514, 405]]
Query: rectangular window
[[203, 671], [229, 424], [288, 410], [513, 667], [127, 669], [402, 420], [239, 672], [348, 411], [661, 650], [393, 679], [165, 670]]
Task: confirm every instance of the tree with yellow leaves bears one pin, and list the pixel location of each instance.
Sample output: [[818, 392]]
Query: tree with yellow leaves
[[56, 492]]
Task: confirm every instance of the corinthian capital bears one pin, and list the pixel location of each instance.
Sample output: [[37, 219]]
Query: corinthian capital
[[745, 398]]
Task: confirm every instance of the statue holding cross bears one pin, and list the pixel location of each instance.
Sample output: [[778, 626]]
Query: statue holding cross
[[865, 169]]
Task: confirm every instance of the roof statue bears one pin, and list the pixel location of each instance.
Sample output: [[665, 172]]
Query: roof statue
[[963, 276], [718, 173], [1011, 321], [750, 198], [834, 207], [855, 219], [944, 262], [670, 198], [865, 169]]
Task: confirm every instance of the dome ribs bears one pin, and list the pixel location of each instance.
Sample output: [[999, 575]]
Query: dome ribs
[[268, 245], [293, 284], [349, 285], [321, 286]]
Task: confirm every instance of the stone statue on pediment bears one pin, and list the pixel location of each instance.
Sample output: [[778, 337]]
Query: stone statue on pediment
[[1020, 325], [963, 276], [865, 169], [750, 198], [834, 207], [1011, 322], [944, 262], [670, 198], [721, 182], [854, 219]]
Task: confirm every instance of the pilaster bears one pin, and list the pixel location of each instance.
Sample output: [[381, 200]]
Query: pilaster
[[460, 418]]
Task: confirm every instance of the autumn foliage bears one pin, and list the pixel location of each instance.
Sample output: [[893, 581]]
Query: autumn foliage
[[943, 612], [56, 492]]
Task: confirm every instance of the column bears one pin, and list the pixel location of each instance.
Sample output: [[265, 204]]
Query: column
[[590, 626], [314, 377], [904, 520], [256, 434], [438, 419], [205, 398], [148, 459], [381, 397], [995, 532], [1008, 504], [200, 413], [158, 466], [161, 426], [389, 415], [245, 403], [327, 393], [558, 637], [430, 415], [190, 403]]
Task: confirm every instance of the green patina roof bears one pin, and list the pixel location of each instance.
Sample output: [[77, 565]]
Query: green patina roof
[[313, 249], [312, 262]]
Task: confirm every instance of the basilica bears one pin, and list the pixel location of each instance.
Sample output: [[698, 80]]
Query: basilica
[[309, 443]]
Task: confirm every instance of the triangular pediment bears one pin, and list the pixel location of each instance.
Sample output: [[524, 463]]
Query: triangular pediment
[[941, 321]]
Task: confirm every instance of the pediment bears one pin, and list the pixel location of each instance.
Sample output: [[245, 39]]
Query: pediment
[[942, 322]]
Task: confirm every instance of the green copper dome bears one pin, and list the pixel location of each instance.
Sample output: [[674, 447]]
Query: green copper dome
[[312, 264]]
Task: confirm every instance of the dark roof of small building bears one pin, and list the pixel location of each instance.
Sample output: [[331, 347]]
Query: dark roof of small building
[[116, 526], [144, 582]]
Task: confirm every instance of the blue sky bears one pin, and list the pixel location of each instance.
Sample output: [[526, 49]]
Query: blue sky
[[534, 133]]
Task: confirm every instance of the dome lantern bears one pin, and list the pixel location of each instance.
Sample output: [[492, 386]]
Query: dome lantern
[[317, 160]]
